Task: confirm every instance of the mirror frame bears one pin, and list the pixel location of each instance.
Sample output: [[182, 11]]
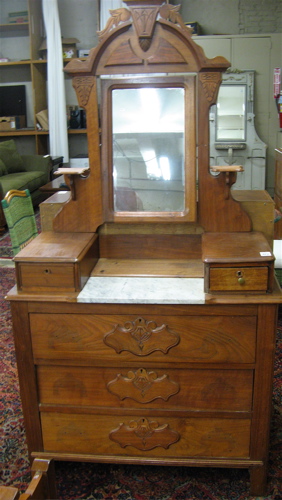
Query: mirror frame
[[188, 83]]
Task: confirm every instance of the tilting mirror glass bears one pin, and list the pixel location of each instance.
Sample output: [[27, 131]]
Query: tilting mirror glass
[[148, 126]]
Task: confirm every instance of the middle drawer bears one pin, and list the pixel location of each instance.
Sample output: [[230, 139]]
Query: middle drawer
[[140, 387]]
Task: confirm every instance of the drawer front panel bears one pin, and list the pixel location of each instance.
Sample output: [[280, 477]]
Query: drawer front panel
[[163, 338], [239, 279], [140, 387], [47, 276], [160, 436]]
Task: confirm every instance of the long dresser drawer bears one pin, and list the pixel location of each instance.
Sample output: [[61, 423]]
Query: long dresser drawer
[[140, 387], [180, 339], [147, 437]]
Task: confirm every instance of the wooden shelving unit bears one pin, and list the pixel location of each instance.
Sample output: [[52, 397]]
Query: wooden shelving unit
[[28, 69]]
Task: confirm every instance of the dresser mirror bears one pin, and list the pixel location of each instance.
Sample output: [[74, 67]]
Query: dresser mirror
[[149, 126]]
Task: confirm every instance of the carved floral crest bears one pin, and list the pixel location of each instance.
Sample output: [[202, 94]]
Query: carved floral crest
[[144, 435], [83, 86], [143, 386], [210, 83], [144, 18]]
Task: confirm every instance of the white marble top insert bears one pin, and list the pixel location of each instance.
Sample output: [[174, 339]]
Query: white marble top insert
[[132, 290]]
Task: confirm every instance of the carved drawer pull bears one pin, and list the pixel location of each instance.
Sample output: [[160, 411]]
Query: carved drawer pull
[[141, 337], [144, 435], [143, 386]]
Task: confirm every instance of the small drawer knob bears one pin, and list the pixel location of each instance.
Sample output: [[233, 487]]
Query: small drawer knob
[[241, 279], [47, 271]]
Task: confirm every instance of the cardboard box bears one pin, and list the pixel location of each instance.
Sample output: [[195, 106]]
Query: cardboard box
[[83, 52], [195, 27], [18, 17], [68, 47], [10, 123], [43, 120]]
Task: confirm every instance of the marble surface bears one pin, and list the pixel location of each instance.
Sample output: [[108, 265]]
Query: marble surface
[[131, 290]]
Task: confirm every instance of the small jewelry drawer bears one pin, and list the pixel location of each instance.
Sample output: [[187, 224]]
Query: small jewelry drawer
[[237, 262], [47, 277], [56, 262], [238, 279]]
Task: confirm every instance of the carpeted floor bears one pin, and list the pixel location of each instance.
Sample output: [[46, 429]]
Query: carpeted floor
[[120, 482], [5, 247]]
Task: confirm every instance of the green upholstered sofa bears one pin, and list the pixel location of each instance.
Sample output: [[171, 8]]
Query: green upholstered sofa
[[22, 172]]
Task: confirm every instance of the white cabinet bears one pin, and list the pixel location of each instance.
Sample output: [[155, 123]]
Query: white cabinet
[[233, 137], [261, 54]]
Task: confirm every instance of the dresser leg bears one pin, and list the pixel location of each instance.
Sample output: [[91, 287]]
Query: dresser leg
[[258, 478]]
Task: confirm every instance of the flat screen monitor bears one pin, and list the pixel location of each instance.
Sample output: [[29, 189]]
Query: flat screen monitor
[[13, 100]]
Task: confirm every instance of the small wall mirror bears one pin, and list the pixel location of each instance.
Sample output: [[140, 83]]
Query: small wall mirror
[[233, 136], [231, 113]]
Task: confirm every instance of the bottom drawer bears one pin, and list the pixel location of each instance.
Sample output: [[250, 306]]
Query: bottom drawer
[[140, 436]]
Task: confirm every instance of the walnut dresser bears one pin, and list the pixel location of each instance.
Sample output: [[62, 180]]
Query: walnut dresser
[[145, 321]]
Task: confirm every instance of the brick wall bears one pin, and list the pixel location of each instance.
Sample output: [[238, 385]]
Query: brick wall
[[233, 17], [260, 16]]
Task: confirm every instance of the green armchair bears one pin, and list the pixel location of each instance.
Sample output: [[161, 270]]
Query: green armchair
[[22, 172]]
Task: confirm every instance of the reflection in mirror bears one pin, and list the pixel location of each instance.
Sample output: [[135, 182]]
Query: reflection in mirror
[[231, 113], [148, 149]]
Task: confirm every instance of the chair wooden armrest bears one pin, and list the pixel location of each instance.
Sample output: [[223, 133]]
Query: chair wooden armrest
[[9, 493], [42, 485]]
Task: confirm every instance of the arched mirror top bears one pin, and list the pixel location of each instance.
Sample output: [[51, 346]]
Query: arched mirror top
[[147, 37], [146, 49]]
